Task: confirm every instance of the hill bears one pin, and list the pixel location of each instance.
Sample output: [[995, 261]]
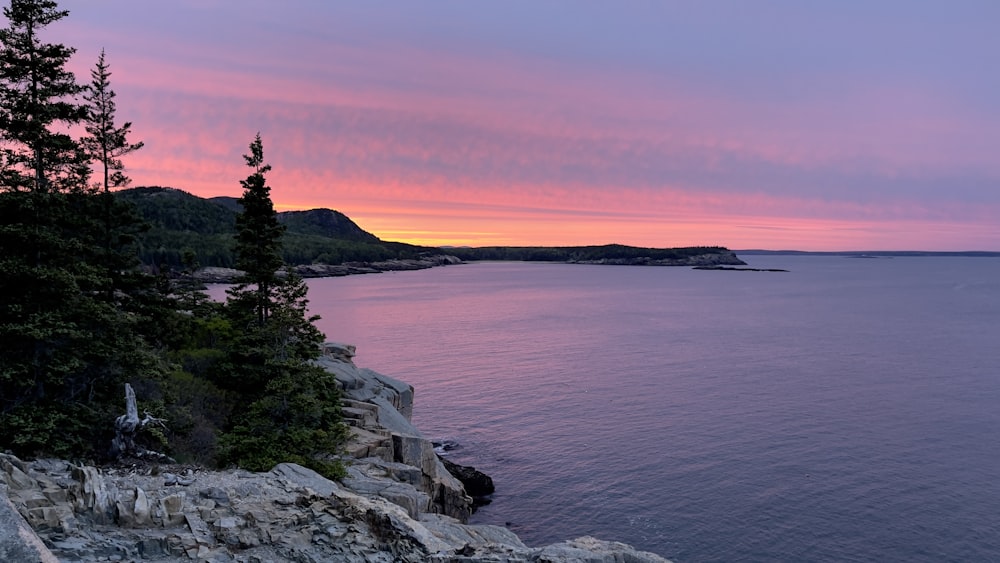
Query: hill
[[182, 223], [874, 253]]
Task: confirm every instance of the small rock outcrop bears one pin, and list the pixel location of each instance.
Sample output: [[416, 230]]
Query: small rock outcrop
[[477, 483], [398, 503], [18, 542]]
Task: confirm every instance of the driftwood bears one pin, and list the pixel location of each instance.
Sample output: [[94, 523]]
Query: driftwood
[[128, 426]]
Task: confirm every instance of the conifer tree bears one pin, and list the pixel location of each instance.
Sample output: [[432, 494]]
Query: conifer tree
[[292, 410], [106, 143], [269, 303], [36, 100], [258, 237], [66, 342]]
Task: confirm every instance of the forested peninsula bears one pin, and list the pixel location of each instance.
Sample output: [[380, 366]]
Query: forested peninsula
[[193, 235]]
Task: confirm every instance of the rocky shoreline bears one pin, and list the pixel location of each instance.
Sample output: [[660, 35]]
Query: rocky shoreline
[[399, 503], [229, 275], [701, 261]]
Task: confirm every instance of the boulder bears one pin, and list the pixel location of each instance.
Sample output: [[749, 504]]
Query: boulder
[[18, 542], [476, 483]]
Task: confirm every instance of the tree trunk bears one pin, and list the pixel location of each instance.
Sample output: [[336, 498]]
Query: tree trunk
[[128, 426]]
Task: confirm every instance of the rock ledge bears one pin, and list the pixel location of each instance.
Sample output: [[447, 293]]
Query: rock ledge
[[398, 503]]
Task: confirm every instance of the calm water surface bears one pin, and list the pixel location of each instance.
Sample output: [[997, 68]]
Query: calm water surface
[[848, 410]]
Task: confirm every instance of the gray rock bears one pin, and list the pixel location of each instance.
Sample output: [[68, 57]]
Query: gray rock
[[219, 496], [390, 419], [141, 509], [398, 504], [455, 533], [305, 479], [414, 501], [18, 542], [592, 550], [93, 496]]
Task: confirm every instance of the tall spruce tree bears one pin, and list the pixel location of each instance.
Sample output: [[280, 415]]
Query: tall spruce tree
[[258, 238], [37, 102], [106, 142], [268, 305], [292, 406]]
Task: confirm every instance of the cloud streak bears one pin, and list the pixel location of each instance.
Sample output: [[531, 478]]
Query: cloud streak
[[465, 125]]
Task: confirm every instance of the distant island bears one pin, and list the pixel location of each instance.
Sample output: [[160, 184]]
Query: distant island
[[190, 233]]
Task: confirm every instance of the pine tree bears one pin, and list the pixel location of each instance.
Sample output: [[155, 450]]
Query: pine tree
[[258, 238], [68, 338], [36, 101], [269, 303], [106, 143], [292, 410]]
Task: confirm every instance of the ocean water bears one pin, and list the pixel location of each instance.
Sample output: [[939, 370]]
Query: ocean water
[[846, 410]]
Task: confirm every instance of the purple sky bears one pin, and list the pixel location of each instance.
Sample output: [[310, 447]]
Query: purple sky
[[773, 124]]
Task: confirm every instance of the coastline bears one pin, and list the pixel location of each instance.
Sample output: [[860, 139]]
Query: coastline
[[398, 502], [212, 274]]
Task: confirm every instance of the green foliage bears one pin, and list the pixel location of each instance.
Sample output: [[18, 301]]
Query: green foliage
[[74, 305], [80, 316], [69, 330], [326, 223], [297, 418], [258, 242], [258, 233], [175, 210], [180, 221], [197, 410], [48, 428], [290, 408]]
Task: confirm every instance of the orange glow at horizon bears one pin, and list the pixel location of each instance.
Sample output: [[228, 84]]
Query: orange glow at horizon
[[435, 144], [430, 223]]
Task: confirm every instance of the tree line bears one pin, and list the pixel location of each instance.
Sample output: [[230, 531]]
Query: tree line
[[80, 316], [181, 223]]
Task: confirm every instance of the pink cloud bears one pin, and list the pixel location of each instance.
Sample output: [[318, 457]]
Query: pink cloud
[[504, 148]]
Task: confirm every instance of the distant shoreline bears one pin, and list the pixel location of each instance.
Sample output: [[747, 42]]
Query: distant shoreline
[[872, 253]]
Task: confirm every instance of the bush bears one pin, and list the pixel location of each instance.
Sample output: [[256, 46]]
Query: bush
[[297, 420]]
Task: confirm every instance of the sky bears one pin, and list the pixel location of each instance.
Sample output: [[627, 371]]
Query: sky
[[777, 124]]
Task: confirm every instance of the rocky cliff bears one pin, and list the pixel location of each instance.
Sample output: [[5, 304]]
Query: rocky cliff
[[397, 504]]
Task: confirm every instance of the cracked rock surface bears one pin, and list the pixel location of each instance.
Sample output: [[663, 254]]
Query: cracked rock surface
[[397, 504]]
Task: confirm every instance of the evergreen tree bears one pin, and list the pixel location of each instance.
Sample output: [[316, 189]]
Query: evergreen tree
[[36, 101], [106, 143], [258, 238], [68, 336], [292, 410]]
